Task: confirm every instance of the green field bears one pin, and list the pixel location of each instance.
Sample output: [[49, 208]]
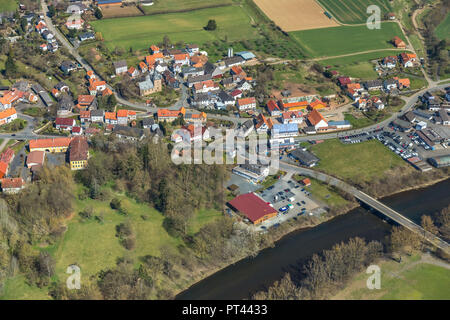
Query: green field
[[354, 11], [8, 5], [409, 280], [443, 29], [356, 162], [165, 6], [346, 39], [141, 32]]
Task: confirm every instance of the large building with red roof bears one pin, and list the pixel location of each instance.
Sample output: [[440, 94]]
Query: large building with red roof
[[253, 207]]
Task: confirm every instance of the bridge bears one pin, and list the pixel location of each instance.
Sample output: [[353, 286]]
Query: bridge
[[370, 201]]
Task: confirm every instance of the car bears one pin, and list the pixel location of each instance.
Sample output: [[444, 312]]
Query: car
[[303, 202], [13, 135], [270, 188], [263, 227], [287, 190], [299, 214], [276, 225], [290, 205], [299, 204], [283, 209]]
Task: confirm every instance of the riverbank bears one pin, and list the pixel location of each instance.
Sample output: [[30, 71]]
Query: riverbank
[[242, 279], [310, 223], [416, 277]]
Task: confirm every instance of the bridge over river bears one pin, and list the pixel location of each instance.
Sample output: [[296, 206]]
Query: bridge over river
[[370, 201]]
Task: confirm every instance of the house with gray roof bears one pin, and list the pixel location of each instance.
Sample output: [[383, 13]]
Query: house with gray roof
[[120, 67]]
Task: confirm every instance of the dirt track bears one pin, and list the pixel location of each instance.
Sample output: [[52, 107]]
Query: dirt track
[[293, 15]]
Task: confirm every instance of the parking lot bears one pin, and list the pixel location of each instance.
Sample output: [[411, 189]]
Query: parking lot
[[405, 144], [291, 200], [245, 185]]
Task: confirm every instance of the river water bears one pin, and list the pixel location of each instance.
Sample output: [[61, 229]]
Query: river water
[[240, 280]]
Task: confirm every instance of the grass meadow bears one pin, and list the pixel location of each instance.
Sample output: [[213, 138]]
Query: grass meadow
[[356, 162], [409, 280], [140, 32], [8, 5], [165, 6], [92, 243], [443, 29]]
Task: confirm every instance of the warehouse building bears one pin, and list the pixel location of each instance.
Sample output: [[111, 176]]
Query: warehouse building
[[304, 157], [440, 161], [252, 207]]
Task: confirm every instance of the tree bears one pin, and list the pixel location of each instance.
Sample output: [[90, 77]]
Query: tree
[[72, 33], [211, 26], [98, 13], [24, 24], [166, 42], [51, 11], [428, 225], [115, 204], [10, 65], [111, 102]]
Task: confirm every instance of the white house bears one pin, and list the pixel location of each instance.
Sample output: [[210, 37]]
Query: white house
[[120, 67], [246, 103]]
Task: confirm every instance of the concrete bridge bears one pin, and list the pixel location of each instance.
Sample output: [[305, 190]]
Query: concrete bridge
[[370, 201]]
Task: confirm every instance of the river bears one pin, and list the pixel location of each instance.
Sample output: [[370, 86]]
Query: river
[[240, 280]]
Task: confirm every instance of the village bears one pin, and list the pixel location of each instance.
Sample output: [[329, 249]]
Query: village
[[217, 94]]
